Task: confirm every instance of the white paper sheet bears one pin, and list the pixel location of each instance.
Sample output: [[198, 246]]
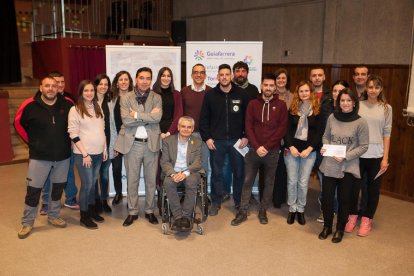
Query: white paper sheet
[[242, 151], [335, 150]]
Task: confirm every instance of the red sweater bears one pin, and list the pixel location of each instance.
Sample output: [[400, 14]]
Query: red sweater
[[192, 103], [266, 123]]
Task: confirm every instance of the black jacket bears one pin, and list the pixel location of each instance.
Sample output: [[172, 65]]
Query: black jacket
[[46, 128], [222, 115]]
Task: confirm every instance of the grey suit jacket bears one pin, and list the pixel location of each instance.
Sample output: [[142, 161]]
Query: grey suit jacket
[[145, 118], [169, 154]]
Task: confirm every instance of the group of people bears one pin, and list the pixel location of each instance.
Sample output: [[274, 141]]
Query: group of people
[[232, 131]]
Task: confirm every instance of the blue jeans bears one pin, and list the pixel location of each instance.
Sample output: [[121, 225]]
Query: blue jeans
[[217, 157], [227, 175], [298, 174], [88, 178], [103, 181], [70, 190]]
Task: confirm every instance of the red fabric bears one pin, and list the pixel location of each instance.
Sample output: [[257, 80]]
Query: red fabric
[[178, 112], [85, 63], [19, 128], [266, 133]]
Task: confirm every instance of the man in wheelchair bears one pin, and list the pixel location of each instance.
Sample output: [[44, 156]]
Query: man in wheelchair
[[181, 163]]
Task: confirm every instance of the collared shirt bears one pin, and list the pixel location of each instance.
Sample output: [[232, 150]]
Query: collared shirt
[[202, 88], [181, 162], [141, 133]]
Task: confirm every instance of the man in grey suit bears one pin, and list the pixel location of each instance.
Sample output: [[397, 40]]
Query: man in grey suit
[[139, 141], [181, 162]]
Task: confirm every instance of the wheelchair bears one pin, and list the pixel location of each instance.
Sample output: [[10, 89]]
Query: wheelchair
[[200, 209]]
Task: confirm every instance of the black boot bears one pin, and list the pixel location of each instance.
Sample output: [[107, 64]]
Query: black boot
[[94, 215], [301, 218], [87, 221], [98, 206], [337, 237], [291, 217], [325, 232], [106, 207]]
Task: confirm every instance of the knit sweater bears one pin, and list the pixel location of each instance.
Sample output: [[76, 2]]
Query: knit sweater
[[355, 135], [192, 103], [379, 124], [90, 130]]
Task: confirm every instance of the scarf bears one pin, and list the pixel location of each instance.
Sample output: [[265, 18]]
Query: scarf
[[141, 95], [305, 110], [346, 117]]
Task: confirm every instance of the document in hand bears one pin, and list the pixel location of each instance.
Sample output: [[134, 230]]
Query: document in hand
[[334, 150], [242, 151]]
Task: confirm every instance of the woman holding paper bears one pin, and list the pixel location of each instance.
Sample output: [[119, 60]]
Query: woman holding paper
[[375, 161], [302, 137], [346, 129]]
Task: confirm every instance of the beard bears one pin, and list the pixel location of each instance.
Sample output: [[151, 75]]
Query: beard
[[49, 98], [240, 80]]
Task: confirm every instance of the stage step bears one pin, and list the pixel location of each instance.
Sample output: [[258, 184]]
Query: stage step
[[17, 95]]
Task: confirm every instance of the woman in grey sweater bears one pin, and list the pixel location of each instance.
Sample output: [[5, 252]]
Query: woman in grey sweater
[[375, 161], [344, 127]]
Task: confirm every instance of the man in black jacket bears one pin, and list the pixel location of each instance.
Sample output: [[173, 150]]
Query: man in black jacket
[[42, 121], [221, 126]]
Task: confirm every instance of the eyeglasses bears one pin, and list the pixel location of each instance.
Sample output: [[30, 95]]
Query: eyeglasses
[[199, 72]]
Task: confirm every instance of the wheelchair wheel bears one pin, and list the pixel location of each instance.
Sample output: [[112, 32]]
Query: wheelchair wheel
[[200, 229], [164, 228]]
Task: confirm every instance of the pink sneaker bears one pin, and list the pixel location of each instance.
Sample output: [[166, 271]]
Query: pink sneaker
[[365, 227], [350, 225]]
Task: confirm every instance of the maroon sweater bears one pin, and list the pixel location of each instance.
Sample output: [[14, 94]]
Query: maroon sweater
[[266, 123], [192, 103]]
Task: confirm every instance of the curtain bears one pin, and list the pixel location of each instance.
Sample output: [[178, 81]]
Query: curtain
[[9, 44], [85, 62]]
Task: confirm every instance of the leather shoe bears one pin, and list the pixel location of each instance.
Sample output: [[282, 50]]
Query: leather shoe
[[325, 233], [262, 216], [117, 199], [291, 217], [337, 237], [129, 220], [301, 218], [185, 224], [151, 218], [177, 224], [240, 217]]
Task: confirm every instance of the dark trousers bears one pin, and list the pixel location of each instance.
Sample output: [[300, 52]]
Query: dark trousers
[[117, 172], [280, 188], [345, 187], [217, 156], [369, 167], [252, 162]]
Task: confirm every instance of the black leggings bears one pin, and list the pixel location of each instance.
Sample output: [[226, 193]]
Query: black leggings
[[117, 172], [371, 167], [344, 187]]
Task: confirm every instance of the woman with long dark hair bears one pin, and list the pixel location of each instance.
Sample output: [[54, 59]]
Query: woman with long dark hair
[[102, 83], [347, 129], [121, 85], [375, 161], [86, 128], [172, 106]]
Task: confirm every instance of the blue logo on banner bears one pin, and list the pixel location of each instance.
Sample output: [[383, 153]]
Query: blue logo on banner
[[248, 60]]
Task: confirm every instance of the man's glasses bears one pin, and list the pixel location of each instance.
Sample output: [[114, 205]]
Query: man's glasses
[[199, 72]]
